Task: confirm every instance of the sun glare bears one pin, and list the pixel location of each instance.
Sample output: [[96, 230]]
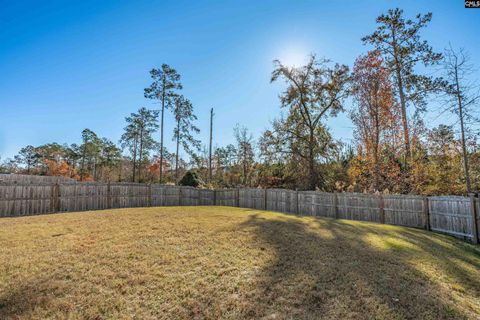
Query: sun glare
[[293, 55]]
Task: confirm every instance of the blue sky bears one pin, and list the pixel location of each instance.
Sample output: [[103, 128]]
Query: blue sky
[[70, 65]]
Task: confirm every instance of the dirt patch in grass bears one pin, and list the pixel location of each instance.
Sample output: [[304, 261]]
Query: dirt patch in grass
[[230, 263]]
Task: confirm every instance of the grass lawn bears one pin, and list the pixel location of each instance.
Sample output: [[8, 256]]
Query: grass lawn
[[230, 263]]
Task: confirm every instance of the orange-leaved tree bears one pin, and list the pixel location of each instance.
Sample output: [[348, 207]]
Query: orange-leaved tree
[[376, 118]]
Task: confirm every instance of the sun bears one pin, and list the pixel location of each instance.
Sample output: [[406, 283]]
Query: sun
[[293, 55]]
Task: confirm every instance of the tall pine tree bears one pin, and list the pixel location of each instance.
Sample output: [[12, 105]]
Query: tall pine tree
[[398, 38], [166, 81], [184, 129]]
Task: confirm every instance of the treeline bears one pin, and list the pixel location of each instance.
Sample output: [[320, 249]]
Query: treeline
[[391, 87], [136, 158]]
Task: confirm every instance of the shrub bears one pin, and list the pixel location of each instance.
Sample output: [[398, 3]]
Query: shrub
[[191, 179]]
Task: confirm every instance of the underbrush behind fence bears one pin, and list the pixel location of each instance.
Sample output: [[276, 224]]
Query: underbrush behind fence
[[457, 216]]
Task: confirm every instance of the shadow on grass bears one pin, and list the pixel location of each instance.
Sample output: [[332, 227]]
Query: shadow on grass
[[329, 269], [455, 258], [19, 303], [315, 268]]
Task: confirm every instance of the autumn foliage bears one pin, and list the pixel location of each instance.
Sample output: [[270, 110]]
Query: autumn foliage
[[376, 120], [60, 168]]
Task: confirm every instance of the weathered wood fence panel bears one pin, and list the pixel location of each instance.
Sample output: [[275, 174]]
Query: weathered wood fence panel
[[451, 215], [190, 196], [82, 197], [458, 216], [158, 196], [127, 195], [161, 195], [21, 200], [173, 196], [319, 204], [405, 210], [226, 197], [358, 206], [252, 198], [281, 200], [186, 196], [205, 197]]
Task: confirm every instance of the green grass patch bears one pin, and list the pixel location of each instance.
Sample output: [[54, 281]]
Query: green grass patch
[[230, 263]]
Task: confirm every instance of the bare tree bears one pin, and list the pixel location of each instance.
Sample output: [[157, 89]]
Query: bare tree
[[245, 152], [314, 92], [462, 97]]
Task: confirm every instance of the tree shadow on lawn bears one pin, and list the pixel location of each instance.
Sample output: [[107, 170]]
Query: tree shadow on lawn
[[27, 296], [318, 268], [456, 259], [330, 269]]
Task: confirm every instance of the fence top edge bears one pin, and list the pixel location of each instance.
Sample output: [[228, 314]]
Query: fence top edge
[[166, 186], [449, 198], [403, 196], [3, 184], [279, 189]]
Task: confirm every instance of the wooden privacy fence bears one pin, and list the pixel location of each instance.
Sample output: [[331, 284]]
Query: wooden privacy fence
[[457, 216]]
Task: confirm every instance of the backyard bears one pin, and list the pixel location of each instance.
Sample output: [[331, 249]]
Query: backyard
[[224, 262]]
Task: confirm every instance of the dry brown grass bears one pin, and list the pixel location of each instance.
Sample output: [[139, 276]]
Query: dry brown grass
[[220, 262]]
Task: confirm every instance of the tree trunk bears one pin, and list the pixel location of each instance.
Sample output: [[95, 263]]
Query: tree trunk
[[244, 164], [161, 134], [375, 149], [72, 168], [120, 171], [210, 148], [82, 167], [95, 168], [311, 164], [140, 153], [406, 132], [176, 153], [403, 104], [134, 159], [462, 130]]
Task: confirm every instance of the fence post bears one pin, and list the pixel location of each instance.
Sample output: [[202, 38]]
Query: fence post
[[149, 194], [196, 197], [214, 197], [237, 197], [12, 212], [52, 198], [335, 204], [109, 196], [265, 199], [57, 197], [162, 195], [381, 206], [179, 196], [297, 211], [426, 213], [473, 209]]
